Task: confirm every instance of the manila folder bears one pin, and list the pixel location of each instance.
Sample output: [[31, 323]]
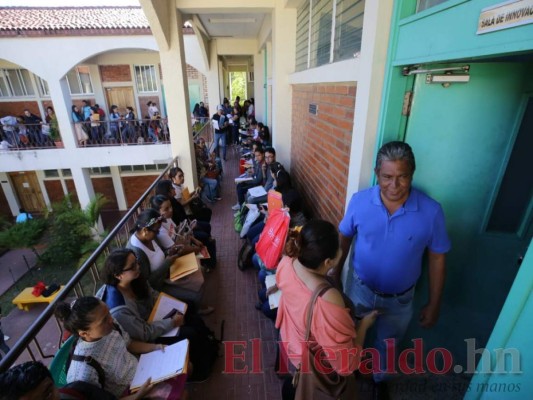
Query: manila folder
[[183, 266]]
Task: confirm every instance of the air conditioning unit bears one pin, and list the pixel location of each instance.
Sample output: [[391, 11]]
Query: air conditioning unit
[[250, 76]]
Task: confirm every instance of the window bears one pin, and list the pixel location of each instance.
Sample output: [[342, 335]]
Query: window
[[43, 86], [15, 83], [425, 4], [328, 31], [142, 168], [79, 80], [348, 29], [100, 171], [321, 22], [51, 173], [66, 172], [146, 78], [302, 37]]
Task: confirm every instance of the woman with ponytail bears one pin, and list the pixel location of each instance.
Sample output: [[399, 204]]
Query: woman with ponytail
[[311, 253], [102, 339]]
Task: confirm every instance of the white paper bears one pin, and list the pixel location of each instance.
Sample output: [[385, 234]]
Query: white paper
[[160, 365], [239, 180], [273, 299], [257, 191], [166, 305], [215, 124]]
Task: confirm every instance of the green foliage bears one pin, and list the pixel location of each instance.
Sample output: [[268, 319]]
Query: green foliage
[[238, 84], [71, 231], [95, 207], [23, 235]]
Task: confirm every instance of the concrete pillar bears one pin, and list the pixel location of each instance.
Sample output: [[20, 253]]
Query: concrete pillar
[[260, 87], [119, 188], [283, 59], [60, 96], [212, 77], [177, 97], [9, 193], [83, 184]]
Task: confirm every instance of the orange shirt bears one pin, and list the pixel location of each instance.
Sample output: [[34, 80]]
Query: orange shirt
[[332, 328]]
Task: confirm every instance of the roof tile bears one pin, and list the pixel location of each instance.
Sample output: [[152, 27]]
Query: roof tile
[[25, 19]]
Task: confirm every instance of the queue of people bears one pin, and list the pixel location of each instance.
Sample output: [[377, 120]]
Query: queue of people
[[29, 130], [391, 224]]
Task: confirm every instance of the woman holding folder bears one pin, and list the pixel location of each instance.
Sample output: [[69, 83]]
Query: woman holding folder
[[155, 266]]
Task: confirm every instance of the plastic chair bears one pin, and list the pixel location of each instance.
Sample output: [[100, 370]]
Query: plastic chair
[[58, 367]]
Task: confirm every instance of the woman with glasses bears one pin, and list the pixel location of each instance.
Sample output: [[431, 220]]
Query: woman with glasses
[[155, 265]]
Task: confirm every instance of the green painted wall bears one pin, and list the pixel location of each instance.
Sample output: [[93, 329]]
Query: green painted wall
[[462, 136], [448, 32]]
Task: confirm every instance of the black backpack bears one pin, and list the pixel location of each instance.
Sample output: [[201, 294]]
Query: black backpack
[[246, 253], [204, 349]]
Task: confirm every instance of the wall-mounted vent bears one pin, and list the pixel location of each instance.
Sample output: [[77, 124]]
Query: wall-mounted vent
[[313, 109], [250, 76]]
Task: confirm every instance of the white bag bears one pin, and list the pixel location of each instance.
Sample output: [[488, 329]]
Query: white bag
[[252, 215]]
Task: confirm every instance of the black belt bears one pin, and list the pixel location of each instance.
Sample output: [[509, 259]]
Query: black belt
[[387, 295]]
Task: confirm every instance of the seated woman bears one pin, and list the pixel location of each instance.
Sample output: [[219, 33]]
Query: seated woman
[[131, 299], [194, 207], [155, 266], [311, 254], [102, 339], [169, 236]]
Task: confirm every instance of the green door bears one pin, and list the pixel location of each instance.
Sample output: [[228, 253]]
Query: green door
[[467, 140], [194, 95]]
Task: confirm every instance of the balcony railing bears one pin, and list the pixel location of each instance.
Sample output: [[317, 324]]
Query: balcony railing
[[102, 133], [89, 272]]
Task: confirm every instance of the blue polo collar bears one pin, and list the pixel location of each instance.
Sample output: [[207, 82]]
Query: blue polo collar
[[410, 205]]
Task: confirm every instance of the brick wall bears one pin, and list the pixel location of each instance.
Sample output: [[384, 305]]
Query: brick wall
[[16, 108], [320, 147], [135, 186], [115, 73], [105, 187], [144, 108], [54, 190]]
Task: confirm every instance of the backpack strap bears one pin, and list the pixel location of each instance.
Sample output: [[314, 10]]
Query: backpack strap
[[93, 363]]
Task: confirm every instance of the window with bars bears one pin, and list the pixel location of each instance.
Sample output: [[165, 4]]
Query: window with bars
[[15, 83], [145, 78], [328, 31], [79, 80]]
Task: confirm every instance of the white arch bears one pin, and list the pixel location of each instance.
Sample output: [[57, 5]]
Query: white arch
[[52, 57]]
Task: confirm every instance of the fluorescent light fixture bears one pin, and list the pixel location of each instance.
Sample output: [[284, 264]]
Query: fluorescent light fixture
[[447, 78], [232, 20]]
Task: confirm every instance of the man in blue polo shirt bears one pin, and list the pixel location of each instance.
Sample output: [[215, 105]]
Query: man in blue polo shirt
[[393, 224]]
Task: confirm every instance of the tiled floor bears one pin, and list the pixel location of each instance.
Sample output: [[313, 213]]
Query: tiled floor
[[234, 293]]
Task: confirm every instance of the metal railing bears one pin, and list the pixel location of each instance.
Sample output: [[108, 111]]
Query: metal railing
[[118, 237], [98, 133]]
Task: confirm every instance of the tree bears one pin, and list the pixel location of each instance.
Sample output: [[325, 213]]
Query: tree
[[238, 84]]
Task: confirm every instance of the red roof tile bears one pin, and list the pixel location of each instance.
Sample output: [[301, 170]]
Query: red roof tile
[[60, 20]]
